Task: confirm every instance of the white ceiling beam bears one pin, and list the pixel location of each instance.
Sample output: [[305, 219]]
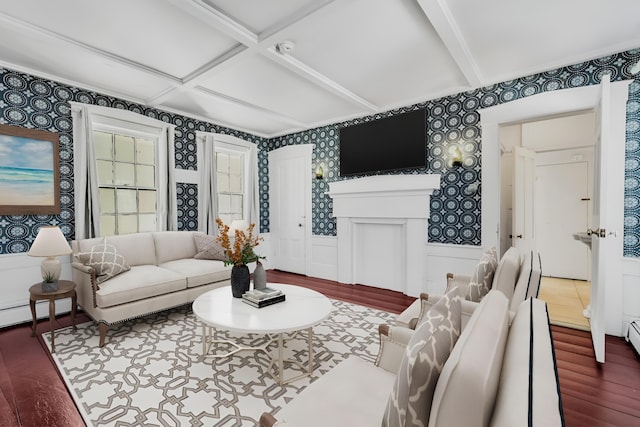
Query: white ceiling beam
[[264, 111], [318, 78], [445, 25], [197, 76], [273, 32], [102, 53], [217, 20]]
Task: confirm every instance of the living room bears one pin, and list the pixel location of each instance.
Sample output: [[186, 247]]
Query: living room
[[252, 81]]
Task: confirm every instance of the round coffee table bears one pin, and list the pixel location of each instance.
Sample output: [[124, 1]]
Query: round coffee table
[[302, 309]]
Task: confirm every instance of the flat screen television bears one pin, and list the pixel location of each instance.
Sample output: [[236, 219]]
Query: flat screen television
[[392, 143]]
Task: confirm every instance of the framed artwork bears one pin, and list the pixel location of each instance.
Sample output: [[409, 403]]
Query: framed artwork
[[29, 172]]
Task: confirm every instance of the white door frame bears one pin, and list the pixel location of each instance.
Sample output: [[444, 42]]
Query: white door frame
[[543, 105], [305, 151]]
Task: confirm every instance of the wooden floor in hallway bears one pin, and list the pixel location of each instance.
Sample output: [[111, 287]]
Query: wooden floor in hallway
[[566, 300]]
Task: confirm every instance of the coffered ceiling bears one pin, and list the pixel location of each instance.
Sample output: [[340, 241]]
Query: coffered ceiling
[[272, 67]]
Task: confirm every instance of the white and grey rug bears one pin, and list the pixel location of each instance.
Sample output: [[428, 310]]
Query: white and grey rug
[[151, 372]]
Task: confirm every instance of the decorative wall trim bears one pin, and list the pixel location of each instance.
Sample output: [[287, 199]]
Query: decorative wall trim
[[442, 258], [19, 273]]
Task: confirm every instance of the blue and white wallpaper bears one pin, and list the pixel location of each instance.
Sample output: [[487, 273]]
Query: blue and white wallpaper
[[455, 213], [33, 102]]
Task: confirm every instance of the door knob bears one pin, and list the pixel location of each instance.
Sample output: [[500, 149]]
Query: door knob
[[599, 232]]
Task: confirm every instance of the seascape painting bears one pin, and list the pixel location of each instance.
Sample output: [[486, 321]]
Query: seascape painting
[[28, 171]]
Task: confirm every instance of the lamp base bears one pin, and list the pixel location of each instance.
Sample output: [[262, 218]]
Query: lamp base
[[50, 269]]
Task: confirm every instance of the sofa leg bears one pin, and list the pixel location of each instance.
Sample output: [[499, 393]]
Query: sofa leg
[[103, 333]]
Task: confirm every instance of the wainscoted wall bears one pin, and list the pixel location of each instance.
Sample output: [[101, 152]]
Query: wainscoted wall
[[455, 213]]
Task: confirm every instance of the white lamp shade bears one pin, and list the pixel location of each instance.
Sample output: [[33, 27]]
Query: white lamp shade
[[49, 242], [239, 224]]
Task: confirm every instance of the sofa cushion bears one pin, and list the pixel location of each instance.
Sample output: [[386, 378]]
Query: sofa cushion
[[172, 245], [137, 248], [528, 282], [199, 271], [142, 281], [105, 260], [482, 277], [425, 355], [353, 394], [468, 383], [208, 247], [528, 393], [507, 272]]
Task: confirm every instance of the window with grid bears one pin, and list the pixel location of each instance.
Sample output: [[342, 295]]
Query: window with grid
[[126, 168], [230, 183]]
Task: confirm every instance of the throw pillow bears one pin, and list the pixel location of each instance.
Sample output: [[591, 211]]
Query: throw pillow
[[105, 260], [208, 247], [482, 277], [409, 404]]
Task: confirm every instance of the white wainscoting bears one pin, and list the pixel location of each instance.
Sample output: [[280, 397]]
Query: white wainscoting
[[630, 292], [439, 260], [324, 258], [445, 258], [19, 272]]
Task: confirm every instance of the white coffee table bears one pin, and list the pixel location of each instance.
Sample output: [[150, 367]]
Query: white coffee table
[[302, 309]]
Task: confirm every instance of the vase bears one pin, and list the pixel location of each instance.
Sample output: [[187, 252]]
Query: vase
[[240, 280], [50, 286], [259, 276]]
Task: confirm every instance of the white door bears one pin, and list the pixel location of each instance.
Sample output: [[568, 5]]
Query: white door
[[522, 229], [562, 209], [601, 246], [290, 207]]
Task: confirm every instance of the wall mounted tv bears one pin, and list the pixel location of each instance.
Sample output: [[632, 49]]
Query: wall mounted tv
[[396, 142]]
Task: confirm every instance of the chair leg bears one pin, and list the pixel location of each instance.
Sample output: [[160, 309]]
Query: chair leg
[[103, 332]]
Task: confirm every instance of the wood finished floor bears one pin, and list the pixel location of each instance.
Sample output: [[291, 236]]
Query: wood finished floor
[[566, 300], [33, 394]]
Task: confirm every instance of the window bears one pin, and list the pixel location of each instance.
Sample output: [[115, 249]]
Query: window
[[124, 172], [126, 167], [227, 180], [230, 186]]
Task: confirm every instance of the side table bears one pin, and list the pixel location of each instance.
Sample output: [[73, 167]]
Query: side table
[[66, 289]]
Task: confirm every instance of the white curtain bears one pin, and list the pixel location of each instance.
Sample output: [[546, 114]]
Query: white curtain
[[167, 196], [86, 197], [252, 176], [85, 189], [207, 201]]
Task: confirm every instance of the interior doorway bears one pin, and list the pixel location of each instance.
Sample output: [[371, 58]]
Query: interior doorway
[[558, 175]]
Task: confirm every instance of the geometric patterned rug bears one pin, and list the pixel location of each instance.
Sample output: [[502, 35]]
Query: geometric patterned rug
[[151, 372]]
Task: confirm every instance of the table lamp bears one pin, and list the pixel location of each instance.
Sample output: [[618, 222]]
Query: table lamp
[[50, 243], [239, 224]]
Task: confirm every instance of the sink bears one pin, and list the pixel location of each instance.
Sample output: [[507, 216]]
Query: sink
[[583, 237]]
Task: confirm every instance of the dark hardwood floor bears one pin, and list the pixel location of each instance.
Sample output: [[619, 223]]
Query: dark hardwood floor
[[33, 394]]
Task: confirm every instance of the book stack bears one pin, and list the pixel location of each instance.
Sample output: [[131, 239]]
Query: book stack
[[263, 297]]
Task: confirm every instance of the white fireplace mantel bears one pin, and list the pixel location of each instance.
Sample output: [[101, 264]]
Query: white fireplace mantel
[[382, 230]]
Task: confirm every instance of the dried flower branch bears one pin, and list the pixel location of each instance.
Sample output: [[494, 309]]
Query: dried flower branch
[[242, 251]]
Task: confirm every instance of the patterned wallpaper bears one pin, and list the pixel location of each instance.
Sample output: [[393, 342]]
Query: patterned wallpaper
[[31, 102], [455, 211]]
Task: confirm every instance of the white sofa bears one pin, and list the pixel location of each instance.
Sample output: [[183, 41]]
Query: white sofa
[[163, 274], [525, 271], [498, 374]]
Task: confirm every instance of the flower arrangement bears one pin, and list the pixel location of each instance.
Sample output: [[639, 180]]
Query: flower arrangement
[[241, 253]]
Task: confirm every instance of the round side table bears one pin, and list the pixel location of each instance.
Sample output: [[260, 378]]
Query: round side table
[[66, 289]]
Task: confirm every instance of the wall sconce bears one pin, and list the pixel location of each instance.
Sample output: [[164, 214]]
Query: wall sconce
[[319, 171], [456, 156]]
